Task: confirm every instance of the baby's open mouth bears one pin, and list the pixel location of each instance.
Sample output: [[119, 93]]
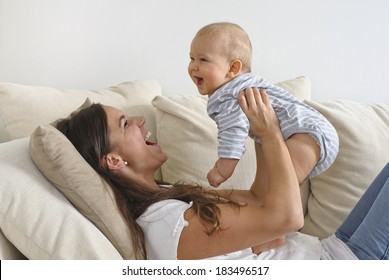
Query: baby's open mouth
[[199, 80]]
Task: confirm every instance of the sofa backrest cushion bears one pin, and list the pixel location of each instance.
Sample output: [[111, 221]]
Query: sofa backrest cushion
[[363, 131]]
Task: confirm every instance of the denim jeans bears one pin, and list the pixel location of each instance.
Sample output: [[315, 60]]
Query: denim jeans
[[366, 230]]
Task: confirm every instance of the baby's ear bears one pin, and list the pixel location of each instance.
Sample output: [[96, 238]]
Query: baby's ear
[[235, 68]]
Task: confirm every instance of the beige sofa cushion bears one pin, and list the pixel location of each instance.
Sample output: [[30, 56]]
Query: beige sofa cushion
[[363, 152], [24, 107], [8, 251], [189, 136], [37, 219], [63, 165]]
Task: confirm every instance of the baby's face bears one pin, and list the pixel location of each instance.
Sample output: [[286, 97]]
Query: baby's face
[[209, 65]]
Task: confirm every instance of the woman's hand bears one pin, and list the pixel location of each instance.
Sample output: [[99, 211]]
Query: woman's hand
[[259, 111]]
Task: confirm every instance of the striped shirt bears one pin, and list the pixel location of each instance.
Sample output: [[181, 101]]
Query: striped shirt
[[294, 117]]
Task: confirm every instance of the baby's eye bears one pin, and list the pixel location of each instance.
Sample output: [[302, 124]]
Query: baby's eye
[[203, 60]]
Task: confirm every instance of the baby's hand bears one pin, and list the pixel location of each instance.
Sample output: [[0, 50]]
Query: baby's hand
[[221, 171], [215, 178]]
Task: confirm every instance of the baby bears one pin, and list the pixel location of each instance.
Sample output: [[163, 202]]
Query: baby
[[220, 66]]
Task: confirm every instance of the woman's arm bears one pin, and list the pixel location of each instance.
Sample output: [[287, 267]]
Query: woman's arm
[[305, 154], [263, 219]]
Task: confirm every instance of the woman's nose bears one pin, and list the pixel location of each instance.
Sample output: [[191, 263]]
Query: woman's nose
[[140, 120]]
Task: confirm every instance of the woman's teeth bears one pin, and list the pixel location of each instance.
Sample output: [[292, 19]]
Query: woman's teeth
[[148, 134]]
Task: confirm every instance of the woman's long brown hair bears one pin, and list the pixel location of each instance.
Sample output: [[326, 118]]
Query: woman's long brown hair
[[88, 131]]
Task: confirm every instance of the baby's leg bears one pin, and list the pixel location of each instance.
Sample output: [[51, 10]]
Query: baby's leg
[[297, 118], [304, 152]]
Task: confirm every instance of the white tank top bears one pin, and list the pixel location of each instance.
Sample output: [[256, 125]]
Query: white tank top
[[163, 222]]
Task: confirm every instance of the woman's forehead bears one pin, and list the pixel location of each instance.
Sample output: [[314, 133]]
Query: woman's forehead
[[112, 111], [113, 115]]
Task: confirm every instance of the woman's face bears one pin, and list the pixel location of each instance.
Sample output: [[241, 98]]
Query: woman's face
[[129, 140]]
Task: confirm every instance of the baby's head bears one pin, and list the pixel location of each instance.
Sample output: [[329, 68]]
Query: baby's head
[[219, 52], [237, 44]]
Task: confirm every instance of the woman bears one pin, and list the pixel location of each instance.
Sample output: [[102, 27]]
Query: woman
[[189, 222]]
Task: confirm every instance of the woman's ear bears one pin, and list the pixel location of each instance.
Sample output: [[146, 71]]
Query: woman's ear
[[114, 161], [235, 68]]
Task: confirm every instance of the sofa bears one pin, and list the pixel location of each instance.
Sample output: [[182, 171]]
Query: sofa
[[54, 206]]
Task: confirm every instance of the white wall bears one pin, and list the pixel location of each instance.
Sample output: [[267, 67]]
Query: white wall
[[341, 45]]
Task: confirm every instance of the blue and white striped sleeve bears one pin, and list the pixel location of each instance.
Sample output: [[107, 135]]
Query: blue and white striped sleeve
[[233, 128]]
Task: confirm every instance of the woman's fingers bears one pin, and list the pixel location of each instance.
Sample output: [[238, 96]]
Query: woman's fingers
[[248, 101], [251, 102], [243, 102], [256, 105], [250, 96], [264, 97], [253, 97]]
